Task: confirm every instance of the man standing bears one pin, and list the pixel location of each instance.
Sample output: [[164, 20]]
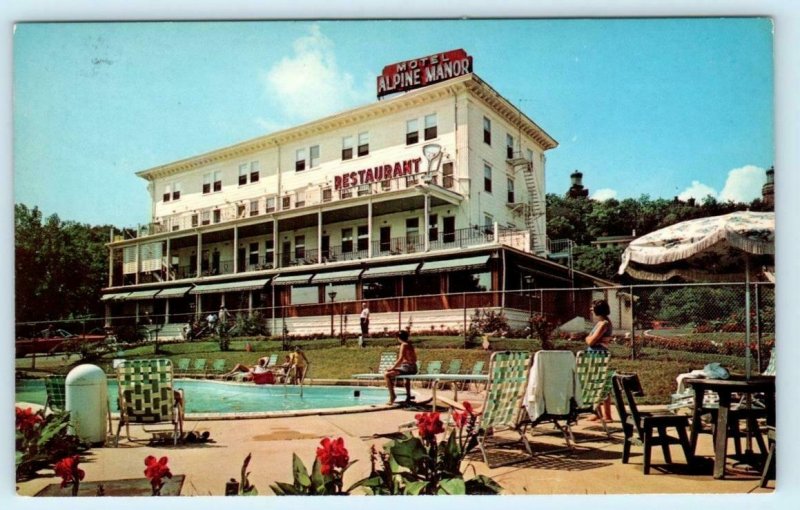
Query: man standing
[[223, 317], [364, 321]]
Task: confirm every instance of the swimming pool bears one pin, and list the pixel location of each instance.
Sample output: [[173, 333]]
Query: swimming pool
[[213, 397]]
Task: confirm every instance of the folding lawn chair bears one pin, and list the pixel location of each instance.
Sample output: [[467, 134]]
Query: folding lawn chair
[[595, 380]]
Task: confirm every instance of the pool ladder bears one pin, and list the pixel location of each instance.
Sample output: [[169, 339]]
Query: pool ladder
[[290, 376]]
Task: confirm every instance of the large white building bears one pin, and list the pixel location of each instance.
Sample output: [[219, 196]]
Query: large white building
[[403, 203]]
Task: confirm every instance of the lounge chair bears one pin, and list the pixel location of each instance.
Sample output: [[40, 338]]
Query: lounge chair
[[199, 367], [638, 426], [217, 369], [272, 361], [387, 361], [432, 368], [454, 367], [508, 376], [183, 366], [477, 369], [55, 387], [553, 393], [147, 397], [596, 380]]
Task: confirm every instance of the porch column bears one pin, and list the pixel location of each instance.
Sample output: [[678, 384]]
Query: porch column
[[369, 228], [275, 241], [137, 312], [319, 236], [426, 224], [136, 277], [111, 262], [235, 249], [199, 254], [250, 304], [169, 261], [166, 311]]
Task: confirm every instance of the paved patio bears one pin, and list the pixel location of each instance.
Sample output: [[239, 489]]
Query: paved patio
[[593, 468]]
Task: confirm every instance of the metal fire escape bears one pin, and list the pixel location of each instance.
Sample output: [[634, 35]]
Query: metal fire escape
[[533, 209]]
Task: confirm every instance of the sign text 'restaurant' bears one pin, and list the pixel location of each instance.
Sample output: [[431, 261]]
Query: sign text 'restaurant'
[[420, 72], [376, 174]]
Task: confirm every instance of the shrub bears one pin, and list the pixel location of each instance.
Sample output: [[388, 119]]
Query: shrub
[[42, 440]]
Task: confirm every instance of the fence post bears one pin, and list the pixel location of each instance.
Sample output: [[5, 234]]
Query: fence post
[[633, 325], [464, 302], [757, 299]]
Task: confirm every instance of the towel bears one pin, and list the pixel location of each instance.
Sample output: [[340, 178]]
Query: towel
[[694, 374], [553, 383]]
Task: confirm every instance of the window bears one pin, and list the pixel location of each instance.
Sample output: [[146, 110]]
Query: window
[[363, 143], [488, 223], [430, 126], [207, 183], [299, 247], [447, 175], [243, 173], [253, 254], [217, 181], [255, 171], [240, 210], [254, 208], [313, 153], [248, 172], [270, 204], [530, 156], [412, 132], [300, 198], [509, 147], [300, 160], [286, 203], [347, 240], [347, 147], [433, 227], [194, 220], [167, 193], [487, 131], [206, 217], [304, 295], [176, 191], [269, 250], [363, 238], [412, 232], [510, 191], [217, 215], [487, 178], [327, 195]]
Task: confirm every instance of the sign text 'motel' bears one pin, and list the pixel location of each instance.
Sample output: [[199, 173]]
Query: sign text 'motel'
[[376, 174], [413, 74]]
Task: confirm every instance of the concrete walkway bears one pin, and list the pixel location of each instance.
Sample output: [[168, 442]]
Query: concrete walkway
[[593, 468]]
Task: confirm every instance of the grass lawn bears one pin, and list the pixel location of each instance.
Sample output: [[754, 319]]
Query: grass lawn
[[657, 368]]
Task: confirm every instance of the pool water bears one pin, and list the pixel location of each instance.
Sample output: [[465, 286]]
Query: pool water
[[224, 397]]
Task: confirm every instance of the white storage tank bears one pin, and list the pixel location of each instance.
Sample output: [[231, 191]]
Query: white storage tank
[[87, 402]]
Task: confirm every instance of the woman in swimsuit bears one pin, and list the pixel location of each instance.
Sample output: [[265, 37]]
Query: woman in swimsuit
[[598, 341], [406, 365]]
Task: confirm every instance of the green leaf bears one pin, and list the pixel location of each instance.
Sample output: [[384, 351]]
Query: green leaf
[[452, 486], [300, 472], [408, 453], [482, 484], [414, 488], [317, 480]]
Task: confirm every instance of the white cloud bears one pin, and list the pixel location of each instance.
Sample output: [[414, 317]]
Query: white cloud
[[604, 194], [310, 83], [743, 184], [698, 191]]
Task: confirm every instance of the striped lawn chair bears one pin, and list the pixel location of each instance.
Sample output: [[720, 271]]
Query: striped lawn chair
[[477, 369], [272, 361], [453, 368], [385, 362], [217, 369], [182, 368], [55, 387], [508, 378], [199, 367], [432, 367], [147, 397], [596, 380]]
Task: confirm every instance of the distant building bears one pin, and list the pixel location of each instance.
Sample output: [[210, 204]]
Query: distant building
[[608, 241], [768, 189], [576, 190]]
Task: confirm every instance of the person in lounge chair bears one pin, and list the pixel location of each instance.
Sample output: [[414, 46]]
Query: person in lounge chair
[[406, 365], [258, 368]]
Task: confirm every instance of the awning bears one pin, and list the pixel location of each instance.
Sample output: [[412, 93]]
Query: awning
[[230, 286], [141, 294], [115, 297], [438, 266], [386, 271], [292, 279], [337, 276], [171, 293]]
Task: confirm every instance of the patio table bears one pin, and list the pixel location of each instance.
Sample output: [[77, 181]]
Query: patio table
[[725, 388], [439, 378]]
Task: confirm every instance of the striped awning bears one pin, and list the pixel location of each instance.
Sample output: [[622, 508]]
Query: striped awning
[[119, 296], [211, 288], [386, 271], [172, 293], [292, 279], [141, 294], [438, 266], [337, 276]]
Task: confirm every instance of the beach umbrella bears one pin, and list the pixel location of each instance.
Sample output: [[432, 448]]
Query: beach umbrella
[[716, 248]]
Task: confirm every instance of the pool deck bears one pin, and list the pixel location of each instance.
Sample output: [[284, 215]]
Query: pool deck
[[594, 467]]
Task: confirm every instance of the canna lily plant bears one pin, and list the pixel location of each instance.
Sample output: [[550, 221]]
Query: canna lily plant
[[327, 473]]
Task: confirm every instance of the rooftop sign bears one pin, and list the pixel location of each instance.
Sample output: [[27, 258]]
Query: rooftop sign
[[419, 72]]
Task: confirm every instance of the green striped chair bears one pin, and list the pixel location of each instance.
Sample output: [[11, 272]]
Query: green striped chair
[[387, 361], [272, 361], [432, 367], [182, 368], [147, 397], [55, 387], [453, 368], [596, 380], [217, 369], [199, 367], [508, 378]]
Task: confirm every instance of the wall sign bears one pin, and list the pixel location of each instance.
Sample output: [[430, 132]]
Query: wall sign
[[376, 174], [419, 72]]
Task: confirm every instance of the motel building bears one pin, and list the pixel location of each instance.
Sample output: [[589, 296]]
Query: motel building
[[427, 204]]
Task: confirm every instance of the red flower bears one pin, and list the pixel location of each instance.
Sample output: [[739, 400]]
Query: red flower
[[332, 454], [428, 425], [460, 418], [468, 408], [156, 470], [27, 419], [67, 469]]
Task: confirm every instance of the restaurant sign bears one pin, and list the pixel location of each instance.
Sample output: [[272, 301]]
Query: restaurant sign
[[419, 72], [377, 173]]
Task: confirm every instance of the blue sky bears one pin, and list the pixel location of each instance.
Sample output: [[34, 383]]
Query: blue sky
[[664, 107]]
